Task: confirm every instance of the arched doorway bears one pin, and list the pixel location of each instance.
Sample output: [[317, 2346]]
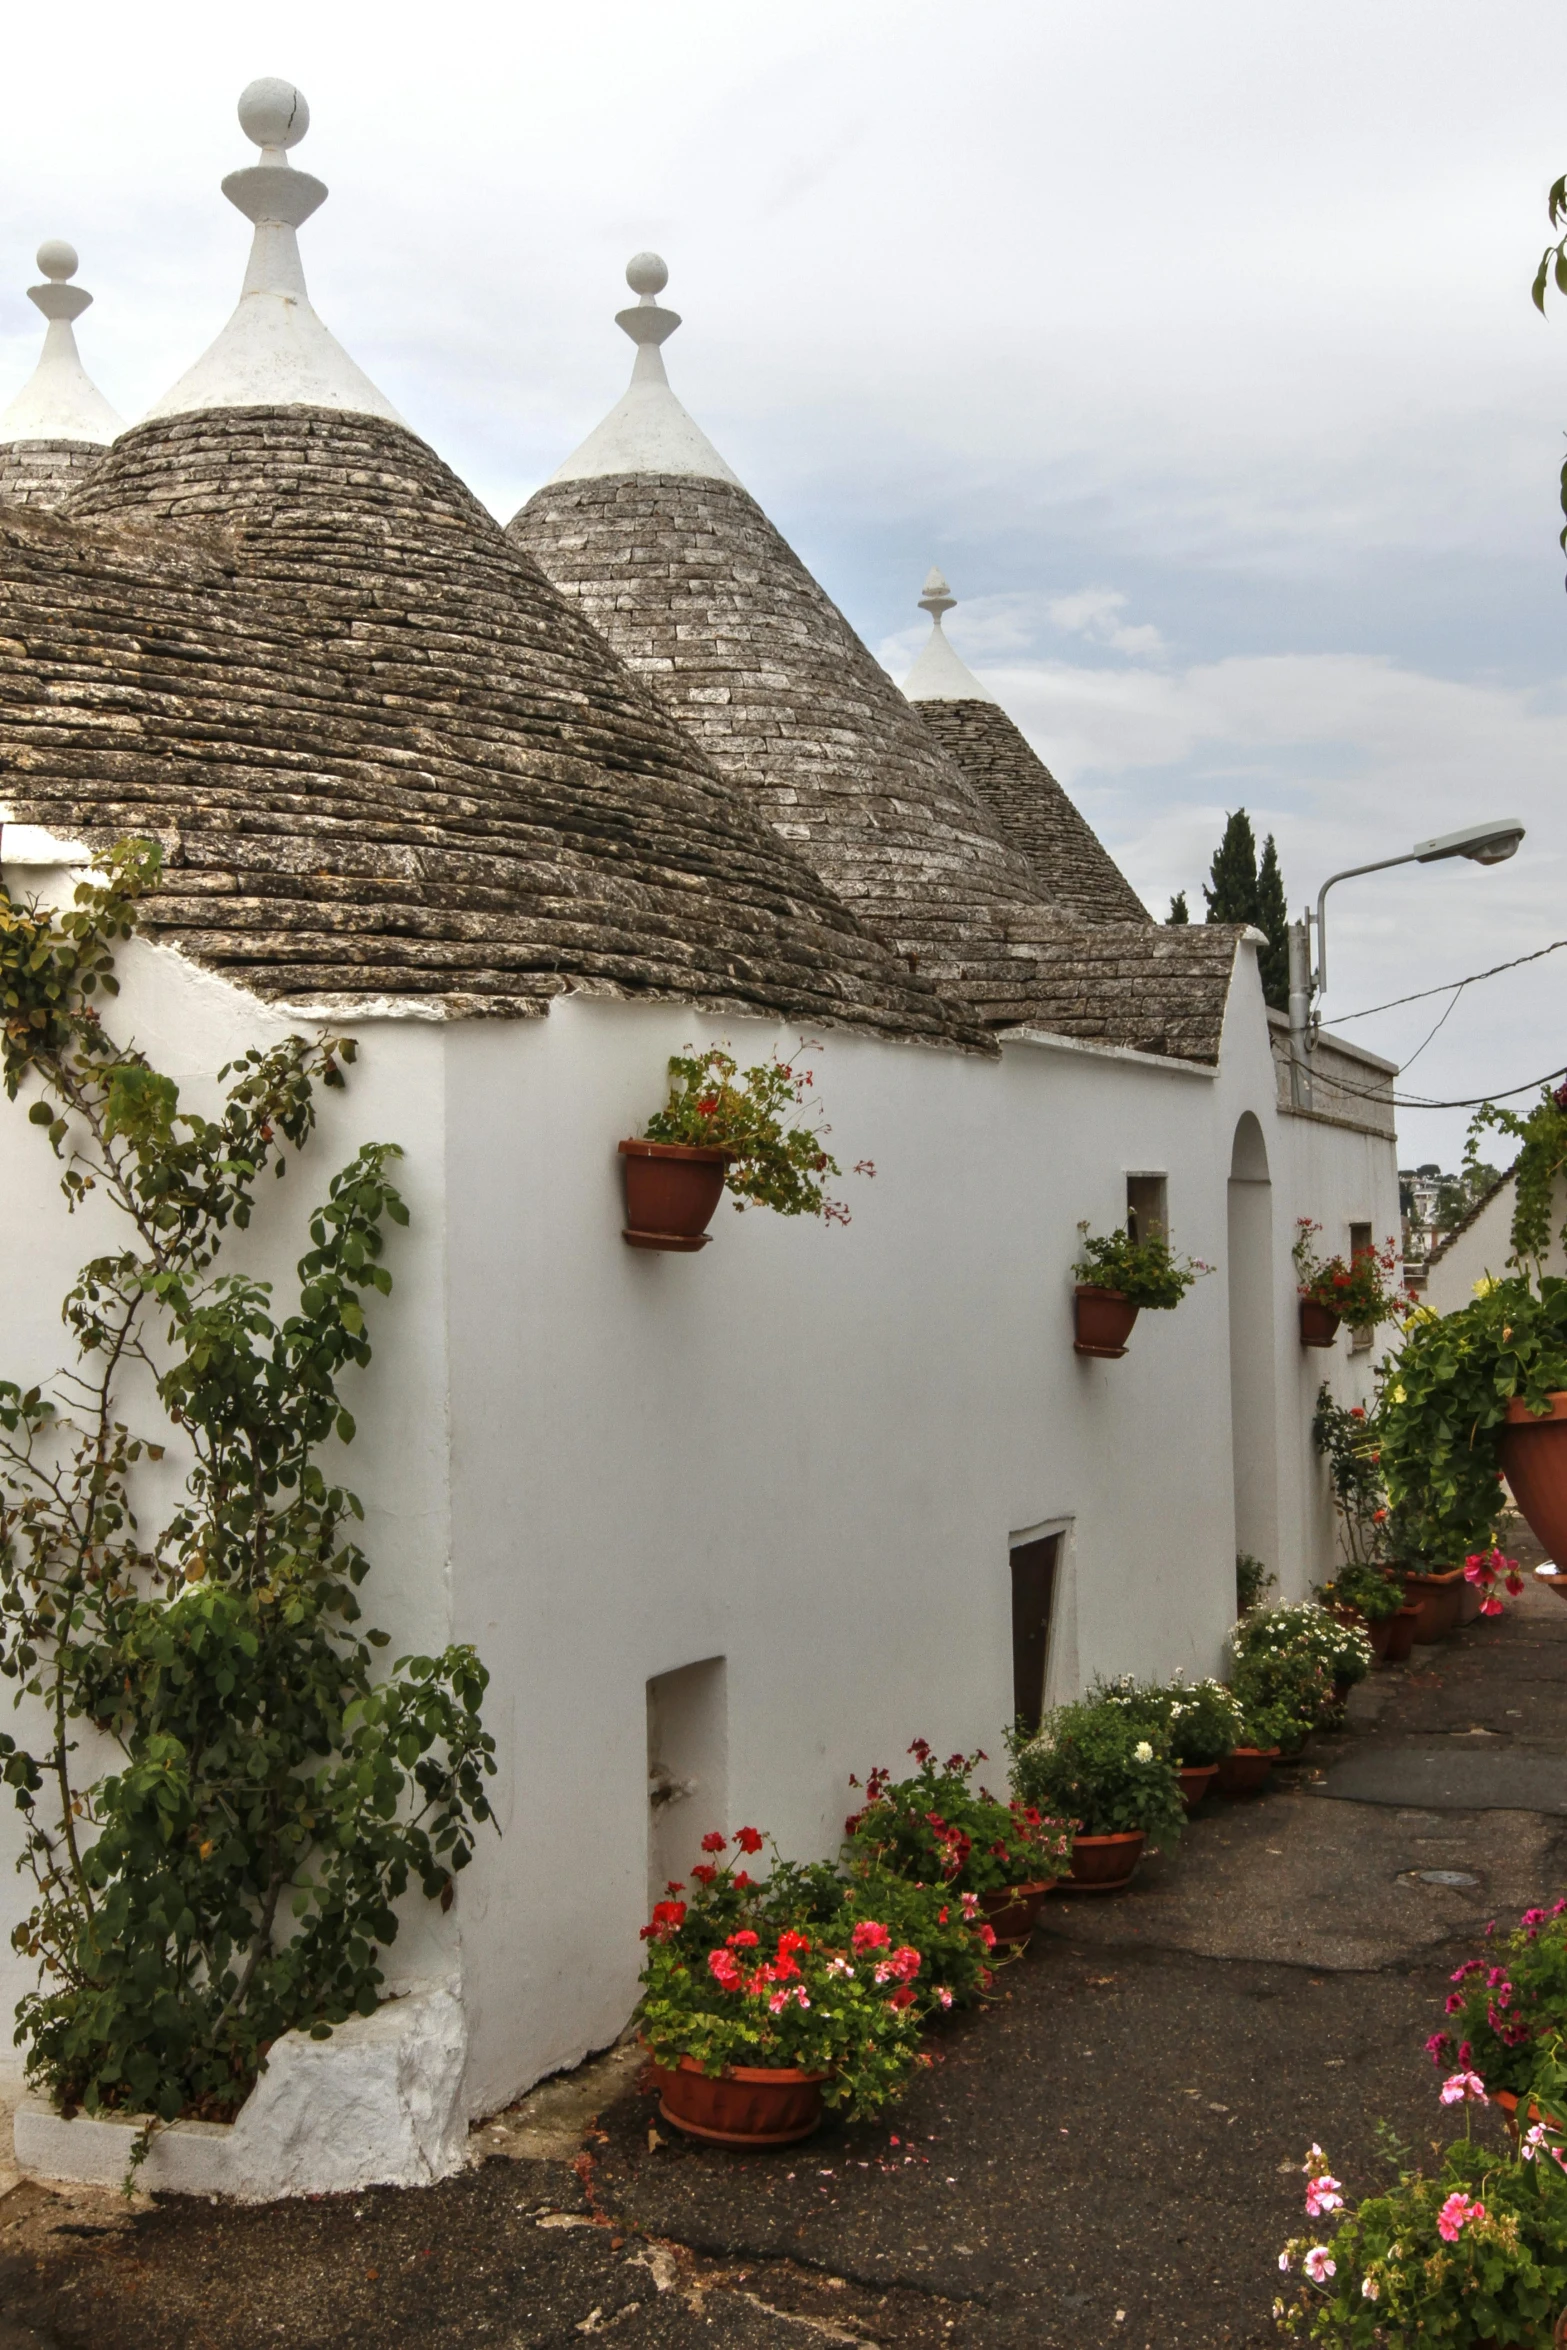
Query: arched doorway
[[1253, 1416]]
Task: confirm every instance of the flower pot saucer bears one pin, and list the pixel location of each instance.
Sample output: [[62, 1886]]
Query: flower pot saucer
[[684, 1242], [1110, 1354]]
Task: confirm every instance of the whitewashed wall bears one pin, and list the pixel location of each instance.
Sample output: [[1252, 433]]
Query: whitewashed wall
[[1479, 1252], [801, 1451]]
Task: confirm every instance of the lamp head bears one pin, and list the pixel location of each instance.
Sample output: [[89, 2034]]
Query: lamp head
[[1482, 844]]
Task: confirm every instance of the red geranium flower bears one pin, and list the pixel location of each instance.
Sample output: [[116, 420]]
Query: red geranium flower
[[748, 1840], [703, 1874], [713, 1842], [868, 1935]]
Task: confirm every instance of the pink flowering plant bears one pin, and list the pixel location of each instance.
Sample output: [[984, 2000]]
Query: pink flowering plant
[[1476, 2256], [774, 1160], [937, 1828], [1485, 1569], [844, 2004], [1505, 2010]]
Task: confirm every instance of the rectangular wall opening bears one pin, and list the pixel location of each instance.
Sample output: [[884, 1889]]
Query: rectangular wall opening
[[1361, 1243], [1034, 1564], [1147, 1207], [687, 1768]]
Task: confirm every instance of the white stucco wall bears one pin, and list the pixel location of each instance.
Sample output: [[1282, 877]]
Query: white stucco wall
[[801, 1451], [1480, 1251]]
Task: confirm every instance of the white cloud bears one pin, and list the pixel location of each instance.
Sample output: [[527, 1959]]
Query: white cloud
[[1095, 612]]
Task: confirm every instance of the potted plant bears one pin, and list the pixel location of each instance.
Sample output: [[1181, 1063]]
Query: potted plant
[[1112, 1776], [1199, 1721], [724, 1128], [1246, 1769], [1301, 1657], [1505, 2010], [1331, 1290], [1368, 1596], [1116, 1277], [936, 1829], [751, 2033], [1474, 2257]]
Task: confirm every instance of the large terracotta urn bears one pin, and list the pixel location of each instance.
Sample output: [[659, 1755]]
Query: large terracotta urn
[[1534, 1462]]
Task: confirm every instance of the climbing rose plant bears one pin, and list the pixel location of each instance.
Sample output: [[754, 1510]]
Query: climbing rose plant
[[222, 1803]]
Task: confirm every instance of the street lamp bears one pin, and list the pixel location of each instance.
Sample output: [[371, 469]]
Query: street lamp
[[1483, 844]]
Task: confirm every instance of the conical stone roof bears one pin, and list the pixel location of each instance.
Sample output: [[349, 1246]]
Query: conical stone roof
[[386, 762], [1076, 871], [59, 424], [698, 592]]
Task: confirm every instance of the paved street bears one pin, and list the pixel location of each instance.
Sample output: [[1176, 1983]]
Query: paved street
[[1110, 2155]]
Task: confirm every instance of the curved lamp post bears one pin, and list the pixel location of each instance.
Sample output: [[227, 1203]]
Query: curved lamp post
[[1483, 844]]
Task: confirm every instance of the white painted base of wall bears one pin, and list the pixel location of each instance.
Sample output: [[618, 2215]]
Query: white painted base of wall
[[378, 2104]]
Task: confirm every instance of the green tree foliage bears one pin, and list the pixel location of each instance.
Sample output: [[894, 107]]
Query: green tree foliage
[[232, 1872], [1231, 887], [1178, 912], [1272, 917], [1239, 888]]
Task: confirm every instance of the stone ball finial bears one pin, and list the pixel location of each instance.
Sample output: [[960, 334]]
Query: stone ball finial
[[272, 113], [57, 259], [647, 273]]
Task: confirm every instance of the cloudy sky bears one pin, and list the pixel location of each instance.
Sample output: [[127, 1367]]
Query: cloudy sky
[[1191, 337]]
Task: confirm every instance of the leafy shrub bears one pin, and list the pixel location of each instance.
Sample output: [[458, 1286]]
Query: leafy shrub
[[1290, 1662], [1095, 1765], [1444, 1407], [1505, 2010], [1252, 1579], [234, 1875], [1144, 1272], [715, 1105], [1371, 1591], [1199, 1721], [1475, 2255], [1350, 1440], [936, 1829]]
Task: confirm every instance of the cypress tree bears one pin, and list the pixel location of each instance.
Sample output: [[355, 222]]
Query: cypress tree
[[1232, 896], [1178, 911], [1272, 915]]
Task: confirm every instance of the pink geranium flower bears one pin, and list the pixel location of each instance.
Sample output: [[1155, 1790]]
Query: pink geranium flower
[[1323, 2194], [1455, 2215], [1319, 2264], [1464, 2089]]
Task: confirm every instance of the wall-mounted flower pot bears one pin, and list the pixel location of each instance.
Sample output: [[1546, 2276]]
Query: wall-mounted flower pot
[[1434, 1597], [1103, 1864], [1104, 1320], [747, 2105], [1246, 1770], [1318, 1323], [1196, 1779], [672, 1189], [1534, 1462], [1012, 1911], [1401, 1636]]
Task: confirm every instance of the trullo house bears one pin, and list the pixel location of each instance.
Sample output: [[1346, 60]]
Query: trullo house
[[526, 811]]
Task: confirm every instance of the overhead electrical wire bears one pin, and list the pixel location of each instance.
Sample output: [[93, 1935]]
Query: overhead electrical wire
[[1342, 1019]]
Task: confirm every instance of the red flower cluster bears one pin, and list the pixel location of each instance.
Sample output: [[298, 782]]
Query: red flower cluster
[[668, 1918]]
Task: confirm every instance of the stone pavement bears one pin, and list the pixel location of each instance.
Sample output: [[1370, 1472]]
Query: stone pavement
[[1110, 2155]]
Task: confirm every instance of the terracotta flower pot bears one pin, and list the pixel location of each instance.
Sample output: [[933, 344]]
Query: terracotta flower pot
[[1507, 2100], [672, 1189], [1245, 1770], [1379, 1631], [747, 2105], [1196, 1779], [1534, 1462], [1469, 1598], [1104, 1320], [1012, 1911], [1556, 1582], [1318, 1323], [1401, 1636], [1434, 1597], [1103, 1864]]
